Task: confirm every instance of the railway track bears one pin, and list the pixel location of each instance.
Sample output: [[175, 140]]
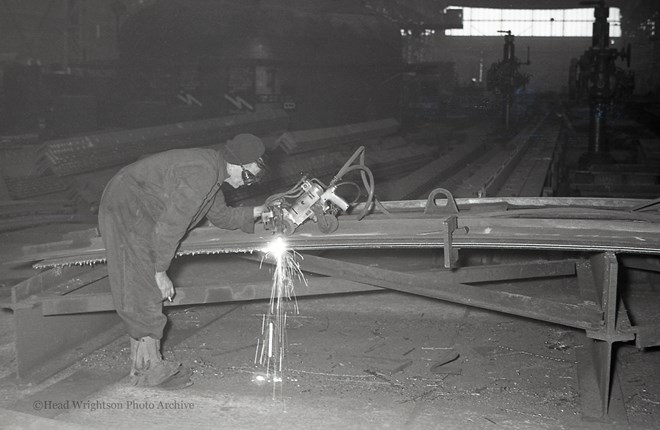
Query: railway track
[[516, 168]]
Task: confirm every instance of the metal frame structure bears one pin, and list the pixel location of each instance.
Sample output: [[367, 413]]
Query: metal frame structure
[[67, 307]]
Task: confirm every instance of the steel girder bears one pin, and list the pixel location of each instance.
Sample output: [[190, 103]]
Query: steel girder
[[516, 223]]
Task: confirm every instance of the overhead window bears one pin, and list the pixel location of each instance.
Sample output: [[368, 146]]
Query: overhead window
[[532, 22]]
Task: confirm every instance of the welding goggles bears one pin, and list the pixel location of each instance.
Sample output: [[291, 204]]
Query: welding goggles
[[250, 178]]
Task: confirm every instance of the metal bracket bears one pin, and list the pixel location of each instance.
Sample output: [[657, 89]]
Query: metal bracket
[[450, 223], [432, 208], [451, 253]]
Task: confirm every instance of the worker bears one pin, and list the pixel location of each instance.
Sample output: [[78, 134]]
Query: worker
[[145, 211]]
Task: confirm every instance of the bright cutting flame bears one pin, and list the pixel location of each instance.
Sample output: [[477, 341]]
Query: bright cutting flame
[[276, 247], [271, 346]]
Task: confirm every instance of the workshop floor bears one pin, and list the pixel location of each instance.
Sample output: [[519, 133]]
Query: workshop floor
[[369, 361]]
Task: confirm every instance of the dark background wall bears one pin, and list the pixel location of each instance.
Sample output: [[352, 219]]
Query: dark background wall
[[339, 60]]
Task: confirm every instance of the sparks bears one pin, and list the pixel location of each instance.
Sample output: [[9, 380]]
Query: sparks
[[276, 247], [272, 345]]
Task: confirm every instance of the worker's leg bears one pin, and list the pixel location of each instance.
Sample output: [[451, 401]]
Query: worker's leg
[[127, 235], [136, 296]]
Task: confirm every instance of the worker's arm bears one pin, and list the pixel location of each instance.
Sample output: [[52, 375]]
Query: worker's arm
[[229, 218], [224, 216]]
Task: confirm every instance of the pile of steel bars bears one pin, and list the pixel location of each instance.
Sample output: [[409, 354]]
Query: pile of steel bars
[[32, 186], [295, 142], [426, 176], [15, 215], [93, 152]]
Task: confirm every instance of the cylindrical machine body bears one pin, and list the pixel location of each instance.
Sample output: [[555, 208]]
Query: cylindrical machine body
[[600, 37], [509, 49], [600, 78], [324, 67], [597, 122]]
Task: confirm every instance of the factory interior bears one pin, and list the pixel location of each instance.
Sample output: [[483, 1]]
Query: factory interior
[[466, 196]]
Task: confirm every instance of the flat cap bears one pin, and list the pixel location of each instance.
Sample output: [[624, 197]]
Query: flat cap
[[243, 149]]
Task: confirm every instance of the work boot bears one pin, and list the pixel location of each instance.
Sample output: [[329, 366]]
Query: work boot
[[149, 369]]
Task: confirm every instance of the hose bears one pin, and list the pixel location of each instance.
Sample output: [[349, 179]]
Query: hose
[[368, 181], [365, 173], [344, 168], [353, 184], [292, 192], [369, 184]]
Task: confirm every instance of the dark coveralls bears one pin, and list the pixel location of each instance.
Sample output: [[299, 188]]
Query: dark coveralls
[[145, 211]]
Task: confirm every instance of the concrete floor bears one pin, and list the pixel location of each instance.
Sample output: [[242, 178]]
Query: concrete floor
[[357, 362]]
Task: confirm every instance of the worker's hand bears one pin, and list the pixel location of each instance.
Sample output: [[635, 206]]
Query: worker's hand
[[258, 210], [165, 285]]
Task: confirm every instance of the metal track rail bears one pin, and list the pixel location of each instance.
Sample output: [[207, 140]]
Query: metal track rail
[[496, 163], [528, 174]]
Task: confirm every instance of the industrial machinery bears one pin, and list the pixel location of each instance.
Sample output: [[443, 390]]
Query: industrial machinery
[[312, 199], [596, 77], [255, 55], [505, 78]]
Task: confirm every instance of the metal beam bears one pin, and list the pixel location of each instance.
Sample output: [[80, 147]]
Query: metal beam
[[586, 351], [46, 345], [58, 301], [572, 315], [504, 272], [648, 335], [551, 228], [202, 294], [46, 280], [641, 262], [597, 281]]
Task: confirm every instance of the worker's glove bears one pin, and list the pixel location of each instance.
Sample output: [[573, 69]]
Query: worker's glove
[[165, 285], [258, 210]]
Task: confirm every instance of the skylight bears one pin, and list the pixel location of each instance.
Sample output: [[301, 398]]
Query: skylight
[[532, 22]]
